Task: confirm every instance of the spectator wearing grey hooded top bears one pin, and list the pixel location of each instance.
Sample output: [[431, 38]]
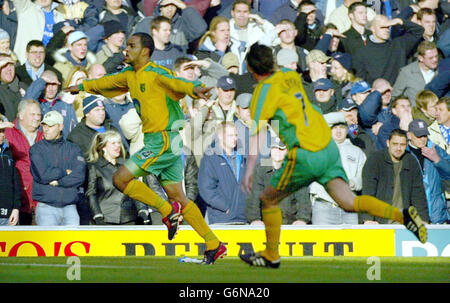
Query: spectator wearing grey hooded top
[[165, 52]]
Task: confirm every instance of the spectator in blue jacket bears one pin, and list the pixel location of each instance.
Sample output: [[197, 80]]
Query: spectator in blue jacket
[[219, 178], [58, 170], [46, 89], [435, 165]]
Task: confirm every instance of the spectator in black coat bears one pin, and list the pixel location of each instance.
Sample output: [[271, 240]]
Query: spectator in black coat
[[383, 57], [10, 195], [392, 175]]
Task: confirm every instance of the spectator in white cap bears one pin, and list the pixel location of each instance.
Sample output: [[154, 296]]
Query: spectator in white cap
[[58, 170], [76, 54], [287, 58]]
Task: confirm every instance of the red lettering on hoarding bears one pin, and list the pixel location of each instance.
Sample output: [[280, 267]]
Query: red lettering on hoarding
[[13, 252], [68, 249], [3, 246], [56, 249]]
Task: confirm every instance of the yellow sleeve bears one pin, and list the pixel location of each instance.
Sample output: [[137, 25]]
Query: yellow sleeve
[[262, 107], [176, 87], [111, 85]]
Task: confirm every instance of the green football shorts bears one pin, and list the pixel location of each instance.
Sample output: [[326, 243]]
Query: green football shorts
[[160, 156], [302, 167]]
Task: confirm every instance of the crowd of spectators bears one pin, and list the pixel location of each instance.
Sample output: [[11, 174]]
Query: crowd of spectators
[[379, 72]]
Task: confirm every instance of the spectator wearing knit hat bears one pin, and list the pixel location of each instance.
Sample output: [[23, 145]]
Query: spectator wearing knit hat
[[5, 44], [114, 39], [342, 74], [76, 54], [94, 121]]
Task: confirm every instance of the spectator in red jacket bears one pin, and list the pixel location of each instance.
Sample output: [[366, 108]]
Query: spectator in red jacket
[[20, 138]]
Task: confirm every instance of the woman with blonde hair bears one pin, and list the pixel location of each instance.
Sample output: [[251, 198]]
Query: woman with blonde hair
[[76, 76], [341, 73], [107, 204], [216, 41]]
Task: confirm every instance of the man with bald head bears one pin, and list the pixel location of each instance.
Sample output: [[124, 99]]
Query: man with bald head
[[46, 89], [383, 57], [96, 71]]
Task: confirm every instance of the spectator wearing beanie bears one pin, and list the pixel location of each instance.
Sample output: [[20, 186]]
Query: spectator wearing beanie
[[76, 54], [93, 122], [114, 39]]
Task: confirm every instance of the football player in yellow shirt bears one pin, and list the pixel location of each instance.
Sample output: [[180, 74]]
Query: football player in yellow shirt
[[312, 155], [155, 92]]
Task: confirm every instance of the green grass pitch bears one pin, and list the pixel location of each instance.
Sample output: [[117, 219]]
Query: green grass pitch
[[227, 270]]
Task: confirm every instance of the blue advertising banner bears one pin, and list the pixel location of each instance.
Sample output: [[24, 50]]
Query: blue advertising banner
[[438, 244]]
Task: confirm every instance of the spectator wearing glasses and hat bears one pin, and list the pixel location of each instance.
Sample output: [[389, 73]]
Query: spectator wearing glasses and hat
[[435, 165], [93, 122], [296, 208], [75, 54], [114, 39], [325, 210]]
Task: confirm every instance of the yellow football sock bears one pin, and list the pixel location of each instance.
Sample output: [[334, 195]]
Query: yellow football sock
[[272, 218], [139, 191], [377, 208], [194, 217]]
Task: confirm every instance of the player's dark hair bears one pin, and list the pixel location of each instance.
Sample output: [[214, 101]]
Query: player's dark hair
[[146, 41], [260, 59], [398, 132]]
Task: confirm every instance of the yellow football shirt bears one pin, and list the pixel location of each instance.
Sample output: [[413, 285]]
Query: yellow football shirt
[[155, 92], [282, 98]]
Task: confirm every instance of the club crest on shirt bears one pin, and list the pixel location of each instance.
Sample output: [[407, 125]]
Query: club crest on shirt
[[142, 87]]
